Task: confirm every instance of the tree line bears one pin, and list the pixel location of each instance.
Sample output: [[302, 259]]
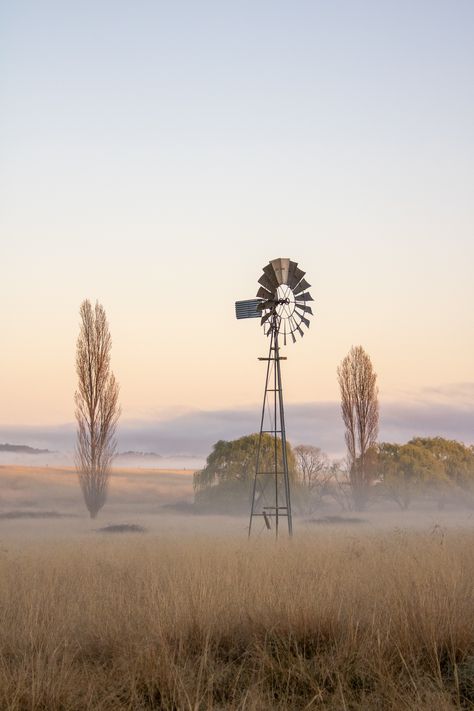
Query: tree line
[[432, 467], [425, 468], [428, 466]]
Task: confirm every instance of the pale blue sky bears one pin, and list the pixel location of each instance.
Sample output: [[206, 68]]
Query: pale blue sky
[[156, 155]]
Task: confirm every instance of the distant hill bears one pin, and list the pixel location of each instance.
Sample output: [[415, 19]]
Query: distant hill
[[23, 449]]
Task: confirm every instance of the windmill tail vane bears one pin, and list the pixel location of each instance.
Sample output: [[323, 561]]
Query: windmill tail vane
[[281, 304]]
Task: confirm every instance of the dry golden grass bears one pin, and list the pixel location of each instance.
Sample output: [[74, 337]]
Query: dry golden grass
[[367, 622]]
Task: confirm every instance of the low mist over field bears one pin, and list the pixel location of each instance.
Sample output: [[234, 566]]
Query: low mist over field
[[54, 492], [47, 501]]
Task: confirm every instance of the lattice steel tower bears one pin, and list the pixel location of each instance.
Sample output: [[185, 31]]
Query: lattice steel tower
[[282, 306]]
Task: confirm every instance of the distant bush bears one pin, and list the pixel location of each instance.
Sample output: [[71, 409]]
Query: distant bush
[[33, 514], [425, 465], [122, 528]]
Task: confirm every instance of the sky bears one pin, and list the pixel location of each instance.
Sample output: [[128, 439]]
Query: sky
[[155, 156]]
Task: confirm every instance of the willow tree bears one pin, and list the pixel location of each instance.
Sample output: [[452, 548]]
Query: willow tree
[[226, 480], [97, 407], [360, 413]]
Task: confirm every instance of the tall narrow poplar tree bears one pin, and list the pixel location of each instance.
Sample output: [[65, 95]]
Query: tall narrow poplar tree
[[360, 413], [97, 407]]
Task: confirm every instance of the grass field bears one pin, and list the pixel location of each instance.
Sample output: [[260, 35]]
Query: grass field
[[336, 621], [191, 615]]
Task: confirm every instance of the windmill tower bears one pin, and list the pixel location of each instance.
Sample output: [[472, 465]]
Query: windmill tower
[[282, 307]]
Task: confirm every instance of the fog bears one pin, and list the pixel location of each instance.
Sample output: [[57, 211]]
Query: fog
[[46, 502], [185, 440], [129, 459]]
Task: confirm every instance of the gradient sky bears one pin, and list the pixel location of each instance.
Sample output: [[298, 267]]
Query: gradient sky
[[156, 155]]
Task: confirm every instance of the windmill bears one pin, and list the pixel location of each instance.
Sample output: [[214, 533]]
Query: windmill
[[283, 309]]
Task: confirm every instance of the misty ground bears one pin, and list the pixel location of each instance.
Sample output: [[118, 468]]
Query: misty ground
[[47, 502]]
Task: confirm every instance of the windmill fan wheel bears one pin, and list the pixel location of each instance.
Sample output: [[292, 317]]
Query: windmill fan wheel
[[284, 299]]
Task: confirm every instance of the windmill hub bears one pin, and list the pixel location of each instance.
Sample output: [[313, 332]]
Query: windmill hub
[[285, 304]]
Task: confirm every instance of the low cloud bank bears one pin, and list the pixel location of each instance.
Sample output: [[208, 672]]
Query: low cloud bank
[[192, 434]]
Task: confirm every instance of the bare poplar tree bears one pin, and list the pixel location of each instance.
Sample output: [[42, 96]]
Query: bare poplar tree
[[97, 408], [360, 413], [312, 464], [315, 473]]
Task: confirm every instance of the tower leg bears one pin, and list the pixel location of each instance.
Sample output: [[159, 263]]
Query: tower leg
[[272, 502], [286, 476], [262, 422]]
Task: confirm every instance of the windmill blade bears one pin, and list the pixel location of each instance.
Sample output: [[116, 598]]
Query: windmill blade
[[268, 283], [281, 268], [284, 333], [302, 286], [263, 293], [305, 321], [285, 267], [291, 273], [305, 309], [298, 326], [296, 277], [299, 329], [265, 317], [293, 323], [270, 273], [304, 297], [293, 336]]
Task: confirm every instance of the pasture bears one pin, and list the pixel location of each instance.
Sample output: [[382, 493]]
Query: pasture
[[191, 615]]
